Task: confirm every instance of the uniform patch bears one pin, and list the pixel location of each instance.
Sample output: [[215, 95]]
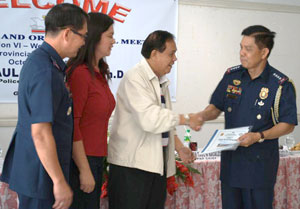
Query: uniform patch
[[234, 90], [281, 79], [231, 96], [264, 92], [233, 69], [261, 103], [236, 82]]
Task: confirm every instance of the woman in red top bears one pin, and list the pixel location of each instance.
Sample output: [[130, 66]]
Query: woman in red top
[[88, 77]]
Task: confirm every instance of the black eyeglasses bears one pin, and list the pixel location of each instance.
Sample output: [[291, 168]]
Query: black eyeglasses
[[84, 36]]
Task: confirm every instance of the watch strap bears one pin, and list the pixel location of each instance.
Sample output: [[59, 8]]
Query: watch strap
[[262, 137], [187, 119]]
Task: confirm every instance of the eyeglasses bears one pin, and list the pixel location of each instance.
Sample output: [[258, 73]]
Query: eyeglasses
[[84, 36]]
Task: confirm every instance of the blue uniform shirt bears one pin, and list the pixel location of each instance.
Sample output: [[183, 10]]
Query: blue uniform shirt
[[247, 102], [42, 97]]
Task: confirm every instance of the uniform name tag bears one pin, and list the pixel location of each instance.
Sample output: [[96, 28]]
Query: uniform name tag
[[231, 96]]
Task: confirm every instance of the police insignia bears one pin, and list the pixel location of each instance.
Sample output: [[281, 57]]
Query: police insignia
[[236, 82], [229, 88], [261, 103], [234, 89], [264, 92]]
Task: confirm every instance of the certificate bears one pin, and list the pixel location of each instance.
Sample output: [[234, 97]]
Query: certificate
[[226, 139]]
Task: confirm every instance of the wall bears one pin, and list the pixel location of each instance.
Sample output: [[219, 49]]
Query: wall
[[208, 43]]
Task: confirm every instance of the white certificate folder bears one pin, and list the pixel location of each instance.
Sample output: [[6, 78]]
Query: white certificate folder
[[226, 139]]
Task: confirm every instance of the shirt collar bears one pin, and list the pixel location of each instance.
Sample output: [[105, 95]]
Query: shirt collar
[[148, 69], [163, 80], [263, 76], [56, 59], [151, 75]]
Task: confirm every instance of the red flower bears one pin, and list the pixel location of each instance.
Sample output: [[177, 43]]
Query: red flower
[[178, 164], [104, 187], [184, 169], [183, 172], [171, 185], [189, 181]]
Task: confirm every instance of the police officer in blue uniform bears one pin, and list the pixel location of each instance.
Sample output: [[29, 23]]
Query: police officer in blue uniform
[[253, 94], [38, 159]]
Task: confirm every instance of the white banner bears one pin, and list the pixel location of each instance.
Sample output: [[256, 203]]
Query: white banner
[[22, 31]]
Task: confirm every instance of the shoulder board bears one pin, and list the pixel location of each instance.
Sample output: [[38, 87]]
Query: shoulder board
[[279, 78], [234, 69], [55, 63]]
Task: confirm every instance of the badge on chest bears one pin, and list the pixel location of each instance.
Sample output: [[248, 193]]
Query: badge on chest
[[264, 92]]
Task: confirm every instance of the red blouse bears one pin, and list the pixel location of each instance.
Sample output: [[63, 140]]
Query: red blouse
[[93, 104]]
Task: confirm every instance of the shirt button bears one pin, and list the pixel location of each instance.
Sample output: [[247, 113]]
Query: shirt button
[[229, 109], [258, 116]]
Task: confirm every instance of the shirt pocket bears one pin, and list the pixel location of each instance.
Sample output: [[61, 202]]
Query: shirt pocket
[[261, 111], [231, 105]]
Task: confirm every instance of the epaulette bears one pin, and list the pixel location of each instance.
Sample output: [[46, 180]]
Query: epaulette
[[279, 78], [234, 69]]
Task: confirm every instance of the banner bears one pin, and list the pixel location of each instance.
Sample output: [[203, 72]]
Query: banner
[[22, 31]]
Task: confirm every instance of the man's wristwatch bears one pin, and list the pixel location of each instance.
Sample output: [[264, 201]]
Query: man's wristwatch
[[262, 137], [187, 119]]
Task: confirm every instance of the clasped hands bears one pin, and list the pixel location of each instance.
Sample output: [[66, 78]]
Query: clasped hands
[[196, 121]]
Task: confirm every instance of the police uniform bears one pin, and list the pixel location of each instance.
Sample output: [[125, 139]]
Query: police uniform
[[260, 103], [42, 97]]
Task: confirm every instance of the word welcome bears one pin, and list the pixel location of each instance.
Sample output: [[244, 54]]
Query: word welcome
[[116, 10]]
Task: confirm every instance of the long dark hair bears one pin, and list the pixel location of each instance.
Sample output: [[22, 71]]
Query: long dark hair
[[97, 25]]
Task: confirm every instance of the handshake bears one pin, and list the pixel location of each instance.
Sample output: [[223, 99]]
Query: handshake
[[193, 120]]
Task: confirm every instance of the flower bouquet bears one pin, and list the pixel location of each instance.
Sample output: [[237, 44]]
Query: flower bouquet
[[183, 172]]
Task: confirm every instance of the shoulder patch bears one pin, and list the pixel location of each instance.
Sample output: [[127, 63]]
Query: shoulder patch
[[280, 79], [234, 69]]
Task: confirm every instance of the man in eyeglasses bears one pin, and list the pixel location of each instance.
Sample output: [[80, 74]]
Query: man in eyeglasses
[[38, 159]]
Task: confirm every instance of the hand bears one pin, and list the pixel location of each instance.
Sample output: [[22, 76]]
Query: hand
[[186, 155], [196, 121], [63, 195], [87, 181], [249, 139]]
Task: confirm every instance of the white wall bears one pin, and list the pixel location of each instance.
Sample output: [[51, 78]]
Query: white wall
[[208, 43]]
